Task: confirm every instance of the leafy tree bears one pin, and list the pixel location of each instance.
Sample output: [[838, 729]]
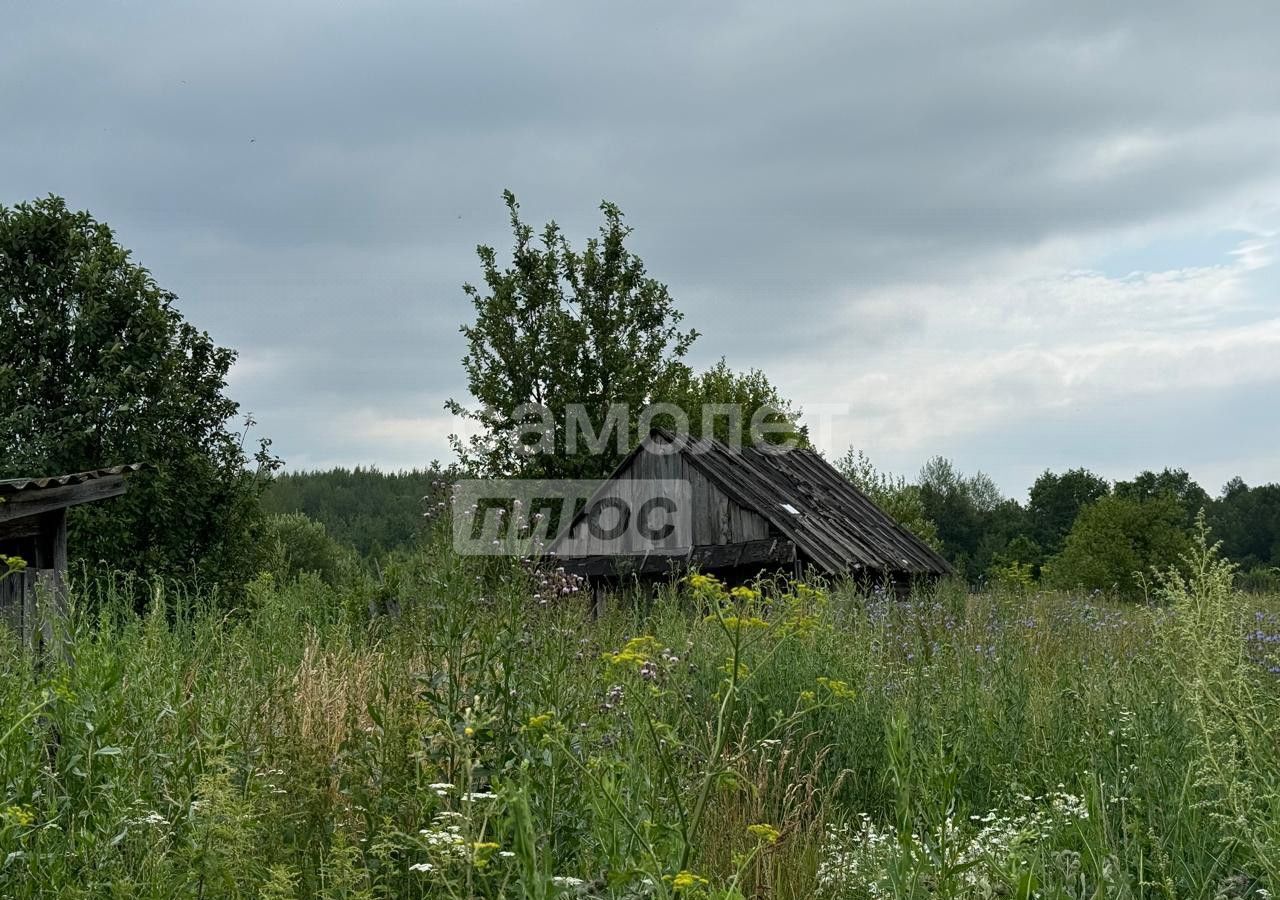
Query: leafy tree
[[1055, 501], [1247, 521], [974, 522], [1117, 538], [1175, 483], [750, 394], [1017, 562], [98, 367], [892, 493], [556, 328]]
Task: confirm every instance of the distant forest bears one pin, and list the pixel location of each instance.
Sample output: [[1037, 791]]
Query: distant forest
[[1076, 529], [372, 511]]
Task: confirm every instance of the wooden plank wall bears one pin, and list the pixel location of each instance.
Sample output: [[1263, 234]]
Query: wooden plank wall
[[713, 518], [34, 601], [18, 594]]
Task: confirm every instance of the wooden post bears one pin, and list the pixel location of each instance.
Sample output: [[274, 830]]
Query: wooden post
[[50, 594]]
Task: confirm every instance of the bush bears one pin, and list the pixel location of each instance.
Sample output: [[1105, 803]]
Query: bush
[[1116, 542], [293, 544]]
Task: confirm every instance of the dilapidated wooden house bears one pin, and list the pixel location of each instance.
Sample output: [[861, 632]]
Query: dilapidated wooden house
[[739, 512], [33, 528]]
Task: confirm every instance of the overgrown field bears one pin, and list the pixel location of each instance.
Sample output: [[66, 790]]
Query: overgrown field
[[478, 736]]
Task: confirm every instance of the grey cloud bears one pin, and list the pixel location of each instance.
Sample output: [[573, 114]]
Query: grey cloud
[[312, 180]]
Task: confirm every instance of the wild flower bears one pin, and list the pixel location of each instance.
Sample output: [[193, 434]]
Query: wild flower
[[539, 721], [569, 883], [636, 652], [996, 843], [21, 816], [151, 818], [837, 688], [739, 623], [764, 832], [613, 697], [704, 584], [685, 880]]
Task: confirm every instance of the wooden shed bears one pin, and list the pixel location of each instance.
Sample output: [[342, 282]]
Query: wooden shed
[[749, 511], [33, 527]]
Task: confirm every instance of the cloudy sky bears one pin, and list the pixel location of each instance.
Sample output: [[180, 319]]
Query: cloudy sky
[[1019, 235]]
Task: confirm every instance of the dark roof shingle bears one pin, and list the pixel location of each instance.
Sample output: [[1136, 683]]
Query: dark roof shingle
[[832, 522]]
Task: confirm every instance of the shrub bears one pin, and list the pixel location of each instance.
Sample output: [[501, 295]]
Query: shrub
[[293, 544], [1117, 541]]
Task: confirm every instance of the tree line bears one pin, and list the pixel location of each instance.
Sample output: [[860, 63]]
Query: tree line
[[98, 367], [1076, 528]]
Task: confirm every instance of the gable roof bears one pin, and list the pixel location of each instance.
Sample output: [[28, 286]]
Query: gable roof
[[831, 522]]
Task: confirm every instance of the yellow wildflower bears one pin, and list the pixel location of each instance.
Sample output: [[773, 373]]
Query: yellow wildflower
[[839, 689], [764, 832], [540, 721], [21, 816], [705, 585], [481, 851], [685, 880], [637, 651], [736, 623]]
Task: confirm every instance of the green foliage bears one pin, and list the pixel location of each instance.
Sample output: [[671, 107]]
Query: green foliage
[[1236, 730], [1247, 520], [1175, 483], [762, 413], [1117, 541], [1055, 501], [1013, 575], [975, 523], [892, 493], [558, 327], [98, 367], [785, 741], [294, 544], [370, 510]]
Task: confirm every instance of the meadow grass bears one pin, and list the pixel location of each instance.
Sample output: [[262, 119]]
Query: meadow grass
[[791, 741]]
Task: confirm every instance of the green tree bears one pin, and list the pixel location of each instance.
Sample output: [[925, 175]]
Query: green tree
[[559, 329], [1247, 520], [98, 367], [892, 493], [1116, 539], [974, 521], [1055, 501], [1175, 483], [750, 395]]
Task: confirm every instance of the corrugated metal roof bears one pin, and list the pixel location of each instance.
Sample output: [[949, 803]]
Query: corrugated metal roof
[[19, 485], [831, 522]]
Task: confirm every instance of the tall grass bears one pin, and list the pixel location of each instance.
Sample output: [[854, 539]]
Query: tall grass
[[794, 741]]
